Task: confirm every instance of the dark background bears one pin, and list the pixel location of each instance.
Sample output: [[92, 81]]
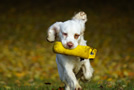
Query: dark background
[[26, 56]]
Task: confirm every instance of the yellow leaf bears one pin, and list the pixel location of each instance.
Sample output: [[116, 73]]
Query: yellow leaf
[[109, 79], [20, 74]]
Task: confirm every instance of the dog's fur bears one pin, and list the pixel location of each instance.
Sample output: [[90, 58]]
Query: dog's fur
[[71, 68]]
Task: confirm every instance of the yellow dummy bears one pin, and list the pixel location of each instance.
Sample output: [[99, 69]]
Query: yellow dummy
[[85, 52]]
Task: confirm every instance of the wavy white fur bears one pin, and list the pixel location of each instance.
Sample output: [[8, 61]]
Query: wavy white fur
[[71, 68]]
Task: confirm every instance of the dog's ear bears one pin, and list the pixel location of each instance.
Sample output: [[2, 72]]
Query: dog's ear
[[53, 30], [81, 16]]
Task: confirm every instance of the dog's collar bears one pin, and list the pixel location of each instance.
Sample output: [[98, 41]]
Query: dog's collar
[[81, 59]]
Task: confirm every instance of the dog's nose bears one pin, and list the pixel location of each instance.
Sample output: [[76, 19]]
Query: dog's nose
[[70, 44]]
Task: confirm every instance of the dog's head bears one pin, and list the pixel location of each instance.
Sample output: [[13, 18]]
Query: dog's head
[[69, 32]]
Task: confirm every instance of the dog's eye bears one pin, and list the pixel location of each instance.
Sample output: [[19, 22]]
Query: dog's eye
[[64, 34], [76, 36]]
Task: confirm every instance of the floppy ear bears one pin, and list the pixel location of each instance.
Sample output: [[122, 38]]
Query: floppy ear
[[53, 30], [81, 16]]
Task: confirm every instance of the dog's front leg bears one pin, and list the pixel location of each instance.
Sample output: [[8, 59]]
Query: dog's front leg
[[65, 68], [70, 79], [87, 71]]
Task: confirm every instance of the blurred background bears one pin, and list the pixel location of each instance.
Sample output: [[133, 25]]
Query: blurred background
[[26, 58]]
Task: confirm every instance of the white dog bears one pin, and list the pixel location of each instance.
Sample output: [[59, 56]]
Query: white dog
[[71, 68]]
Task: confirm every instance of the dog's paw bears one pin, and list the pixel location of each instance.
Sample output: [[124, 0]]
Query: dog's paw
[[87, 77], [81, 15], [78, 87]]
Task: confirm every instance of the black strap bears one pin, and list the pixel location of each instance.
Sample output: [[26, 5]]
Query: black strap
[[81, 59]]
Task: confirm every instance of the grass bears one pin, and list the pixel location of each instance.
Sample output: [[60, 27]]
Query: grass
[[56, 85]]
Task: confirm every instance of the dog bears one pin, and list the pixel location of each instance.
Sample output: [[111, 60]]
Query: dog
[[71, 34]]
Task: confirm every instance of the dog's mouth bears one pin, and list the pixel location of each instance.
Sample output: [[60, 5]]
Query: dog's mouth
[[68, 47]]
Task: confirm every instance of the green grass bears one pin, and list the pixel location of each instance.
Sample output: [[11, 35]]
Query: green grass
[[53, 85]]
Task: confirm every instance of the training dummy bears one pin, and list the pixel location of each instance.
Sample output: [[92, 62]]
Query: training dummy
[[85, 52]]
